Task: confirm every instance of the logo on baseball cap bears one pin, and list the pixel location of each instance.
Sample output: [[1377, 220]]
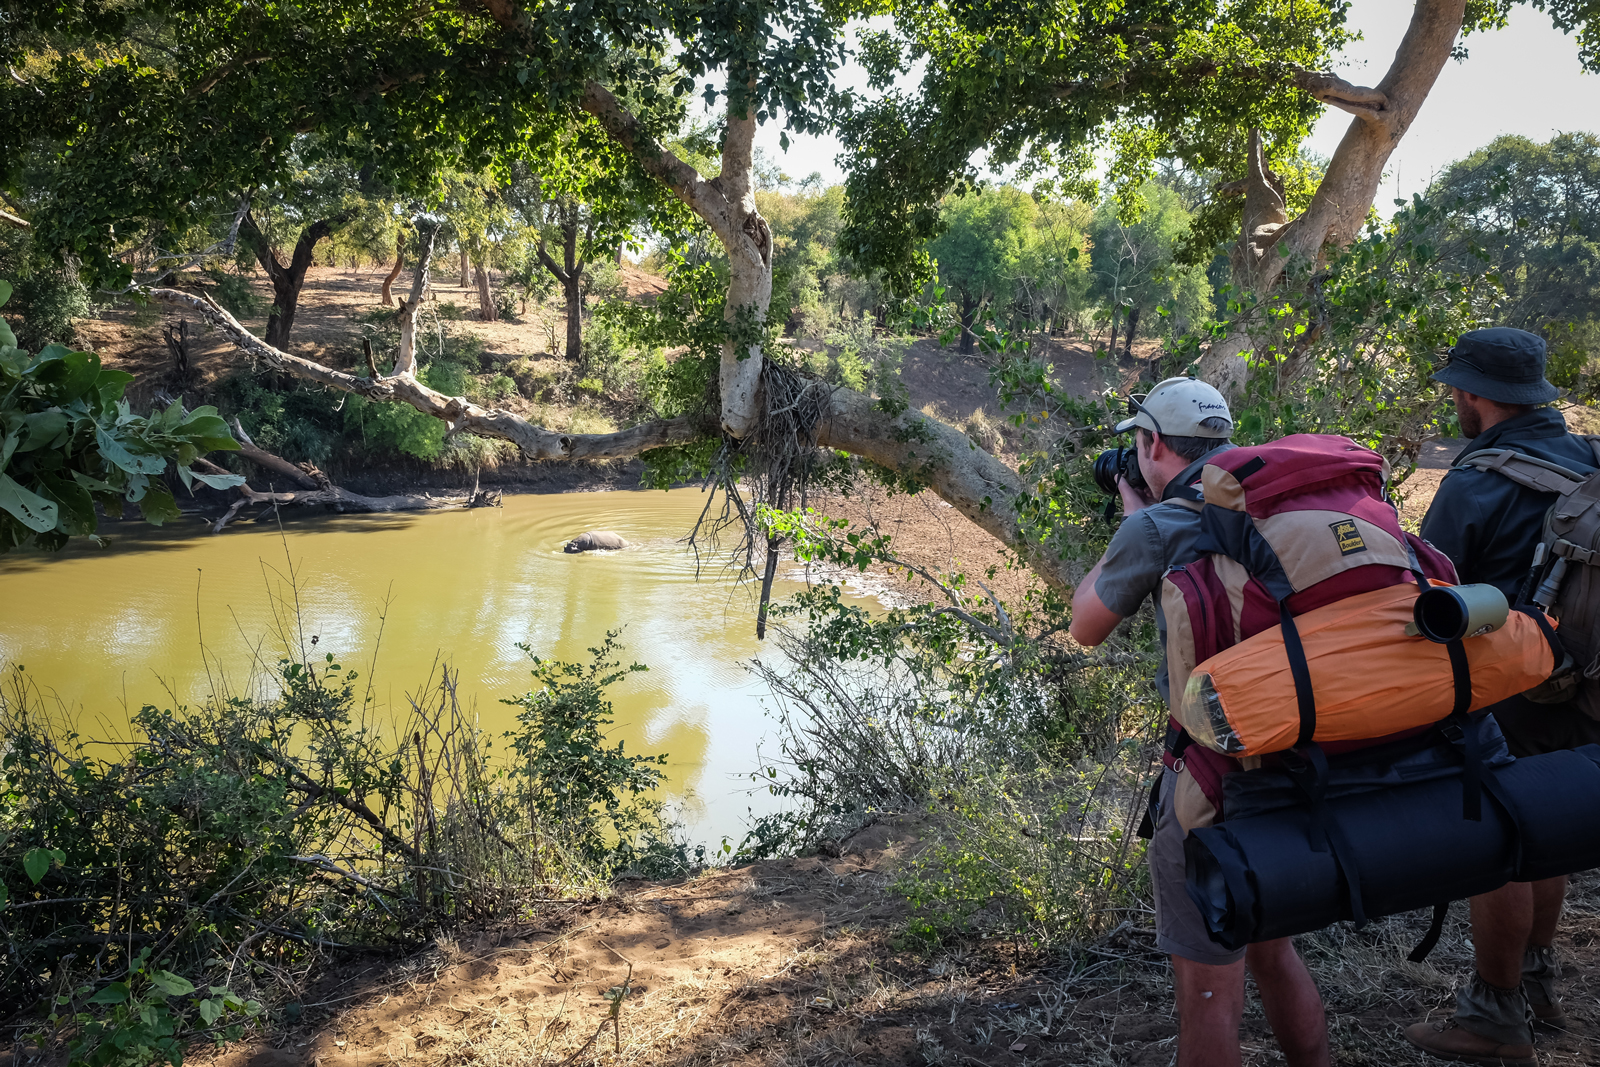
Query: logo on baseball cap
[[1176, 408]]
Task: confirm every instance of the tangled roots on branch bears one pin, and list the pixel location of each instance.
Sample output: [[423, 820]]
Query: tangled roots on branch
[[775, 462]]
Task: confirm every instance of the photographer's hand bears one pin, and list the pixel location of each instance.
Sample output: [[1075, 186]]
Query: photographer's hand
[[1132, 499]]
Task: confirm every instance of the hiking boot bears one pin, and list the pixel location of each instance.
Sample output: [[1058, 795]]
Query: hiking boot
[[1449, 1040], [1540, 969]]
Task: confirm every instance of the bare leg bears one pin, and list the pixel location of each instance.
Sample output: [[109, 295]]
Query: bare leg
[[1502, 922], [1548, 897], [1290, 999], [1210, 1005]]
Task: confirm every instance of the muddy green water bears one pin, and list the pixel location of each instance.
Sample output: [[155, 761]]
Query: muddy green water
[[108, 629]]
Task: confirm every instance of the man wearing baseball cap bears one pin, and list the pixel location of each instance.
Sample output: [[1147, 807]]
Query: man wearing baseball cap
[[1489, 526], [1176, 428]]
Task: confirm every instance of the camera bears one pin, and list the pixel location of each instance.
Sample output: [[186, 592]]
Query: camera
[[1114, 463]]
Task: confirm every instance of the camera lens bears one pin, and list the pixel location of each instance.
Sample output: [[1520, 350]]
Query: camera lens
[[1106, 468], [1114, 463]]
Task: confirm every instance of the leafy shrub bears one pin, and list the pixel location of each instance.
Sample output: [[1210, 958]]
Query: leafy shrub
[[564, 772], [47, 299], [300, 422], [385, 426], [1040, 855], [499, 387], [136, 1025], [166, 888], [506, 304], [68, 441], [1023, 760]]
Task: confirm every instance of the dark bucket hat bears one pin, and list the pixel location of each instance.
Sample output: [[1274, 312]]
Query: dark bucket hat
[[1500, 364]]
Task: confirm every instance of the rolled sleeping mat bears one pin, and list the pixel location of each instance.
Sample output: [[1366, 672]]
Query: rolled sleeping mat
[[1555, 800], [1259, 878]]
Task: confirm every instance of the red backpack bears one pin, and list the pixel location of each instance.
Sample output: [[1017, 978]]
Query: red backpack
[[1287, 528]]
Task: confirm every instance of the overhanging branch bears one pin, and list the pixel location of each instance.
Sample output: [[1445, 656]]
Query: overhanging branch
[[456, 412], [940, 456], [1325, 86], [703, 197]]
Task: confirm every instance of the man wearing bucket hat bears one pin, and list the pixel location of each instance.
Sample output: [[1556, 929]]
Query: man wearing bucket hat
[[1489, 526], [1176, 427]]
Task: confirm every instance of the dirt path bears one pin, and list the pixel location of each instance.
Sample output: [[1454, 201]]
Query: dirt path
[[798, 963]]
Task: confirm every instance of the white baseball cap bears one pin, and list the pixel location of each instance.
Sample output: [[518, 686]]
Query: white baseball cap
[[1176, 407]]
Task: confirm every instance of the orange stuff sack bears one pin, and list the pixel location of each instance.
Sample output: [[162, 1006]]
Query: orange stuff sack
[[1370, 678]]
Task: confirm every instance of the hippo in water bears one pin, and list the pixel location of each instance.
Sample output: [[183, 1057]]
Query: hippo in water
[[596, 540]]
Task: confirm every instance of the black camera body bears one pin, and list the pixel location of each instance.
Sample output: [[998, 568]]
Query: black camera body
[[1118, 462]]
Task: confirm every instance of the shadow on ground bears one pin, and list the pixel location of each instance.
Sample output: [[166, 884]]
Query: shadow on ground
[[799, 963]]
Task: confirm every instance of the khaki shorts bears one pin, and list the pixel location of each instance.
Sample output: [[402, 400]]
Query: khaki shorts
[[1180, 931]]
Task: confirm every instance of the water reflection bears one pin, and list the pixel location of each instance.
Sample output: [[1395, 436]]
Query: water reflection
[[108, 630]]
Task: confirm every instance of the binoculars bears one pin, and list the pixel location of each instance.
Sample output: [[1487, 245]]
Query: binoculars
[[1447, 613]]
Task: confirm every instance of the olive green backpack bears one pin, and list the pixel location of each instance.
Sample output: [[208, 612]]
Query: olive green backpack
[[1565, 580]]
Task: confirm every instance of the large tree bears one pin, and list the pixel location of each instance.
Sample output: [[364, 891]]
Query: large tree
[[981, 251], [1536, 210], [146, 108], [583, 196]]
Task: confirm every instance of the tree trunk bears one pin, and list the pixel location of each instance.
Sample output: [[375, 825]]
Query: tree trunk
[[1133, 328], [572, 293], [969, 311], [466, 268], [486, 308], [569, 273], [1267, 243], [405, 360], [287, 281], [394, 272], [1111, 349]]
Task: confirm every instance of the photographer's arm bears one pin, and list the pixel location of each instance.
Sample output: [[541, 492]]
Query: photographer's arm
[[1092, 621]]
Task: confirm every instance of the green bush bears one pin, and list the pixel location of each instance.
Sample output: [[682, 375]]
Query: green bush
[[151, 881], [300, 422], [565, 773], [1022, 760], [68, 441], [47, 299]]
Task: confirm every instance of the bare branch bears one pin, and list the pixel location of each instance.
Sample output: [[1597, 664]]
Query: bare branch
[[460, 414], [13, 220], [1336, 92], [1323, 85], [705, 198]]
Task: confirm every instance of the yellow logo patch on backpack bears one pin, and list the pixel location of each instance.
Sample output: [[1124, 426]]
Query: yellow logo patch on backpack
[[1348, 537]]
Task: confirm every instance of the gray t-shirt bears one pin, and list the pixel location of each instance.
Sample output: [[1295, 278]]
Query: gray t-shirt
[[1150, 542]]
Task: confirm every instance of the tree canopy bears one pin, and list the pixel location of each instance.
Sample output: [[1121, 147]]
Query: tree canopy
[[1535, 209]]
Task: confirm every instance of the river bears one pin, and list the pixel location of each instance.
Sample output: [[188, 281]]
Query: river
[[105, 630]]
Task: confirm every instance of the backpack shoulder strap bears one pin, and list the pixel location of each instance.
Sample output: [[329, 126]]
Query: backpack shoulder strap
[[1530, 472]]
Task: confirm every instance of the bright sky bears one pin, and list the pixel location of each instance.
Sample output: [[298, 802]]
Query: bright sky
[[1523, 79]]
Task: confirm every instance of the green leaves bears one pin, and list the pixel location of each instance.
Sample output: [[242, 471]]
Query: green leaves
[[115, 993], [36, 862], [28, 508], [172, 985], [114, 452], [68, 440]]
